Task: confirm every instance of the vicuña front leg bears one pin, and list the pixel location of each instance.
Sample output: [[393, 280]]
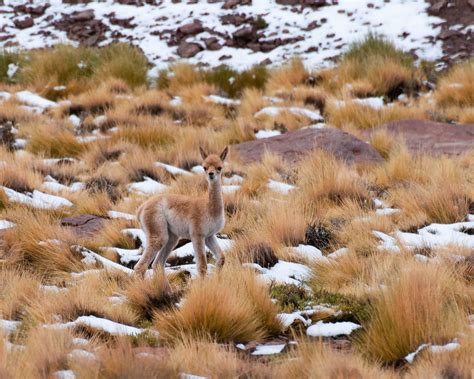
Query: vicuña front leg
[[213, 245], [200, 254]]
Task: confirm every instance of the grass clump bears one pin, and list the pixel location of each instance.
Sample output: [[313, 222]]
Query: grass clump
[[123, 61], [64, 143], [456, 88], [231, 305], [389, 70], [233, 83], [61, 65], [420, 305]]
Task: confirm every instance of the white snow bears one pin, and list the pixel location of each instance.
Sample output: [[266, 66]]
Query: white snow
[[37, 199], [339, 253], [274, 111], [287, 319], [76, 121], [147, 187], [433, 349], [283, 272], [152, 22], [331, 329], [123, 215], [58, 187], [234, 179], [227, 189], [436, 235], [11, 71], [372, 102], [283, 188], [136, 233], [308, 252], [386, 211], [33, 100], [268, 349], [267, 133], [222, 100], [5, 224], [91, 257], [9, 326], [64, 374], [173, 169], [104, 324]]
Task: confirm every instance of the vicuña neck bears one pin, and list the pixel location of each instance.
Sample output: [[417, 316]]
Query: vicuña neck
[[216, 203]]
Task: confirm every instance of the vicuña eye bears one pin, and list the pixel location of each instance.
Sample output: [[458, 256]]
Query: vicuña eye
[[219, 168]]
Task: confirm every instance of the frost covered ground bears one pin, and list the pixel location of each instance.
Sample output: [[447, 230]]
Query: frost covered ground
[[317, 35]]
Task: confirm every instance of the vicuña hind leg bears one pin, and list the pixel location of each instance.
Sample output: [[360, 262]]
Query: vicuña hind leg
[[157, 236], [160, 259]]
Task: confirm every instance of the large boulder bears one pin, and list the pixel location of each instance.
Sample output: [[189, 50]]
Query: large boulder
[[84, 225], [431, 137], [292, 146]]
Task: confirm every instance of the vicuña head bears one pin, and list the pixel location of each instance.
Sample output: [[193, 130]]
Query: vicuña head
[[168, 218]]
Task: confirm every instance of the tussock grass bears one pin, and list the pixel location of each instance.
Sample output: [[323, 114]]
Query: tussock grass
[[18, 175], [124, 62], [316, 360], [356, 116], [422, 304], [147, 136], [376, 60], [17, 290], [145, 296], [240, 310], [64, 144], [456, 88], [36, 244], [209, 359], [287, 77], [62, 65], [324, 181]]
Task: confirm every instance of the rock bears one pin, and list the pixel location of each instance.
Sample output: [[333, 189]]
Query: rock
[[85, 15], [24, 23], [212, 43], [230, 4], [471, 4], [32, 10], [84, 225], [7, 138], [188, 50], [436, 7], [192, 28], [432, 137], [245, 33], [123, 22], [292, 146], [311, 3]]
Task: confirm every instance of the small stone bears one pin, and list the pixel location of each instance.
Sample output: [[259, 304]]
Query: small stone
[[188, 50], [24, 23]]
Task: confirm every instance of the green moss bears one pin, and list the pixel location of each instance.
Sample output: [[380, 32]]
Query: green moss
[[290, 297], [351, 308], [260, 23]]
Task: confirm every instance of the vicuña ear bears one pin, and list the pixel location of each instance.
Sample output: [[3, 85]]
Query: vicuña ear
[[203, 153], [224, 153]]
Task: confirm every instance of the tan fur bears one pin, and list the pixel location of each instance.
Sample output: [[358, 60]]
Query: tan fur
[[167, 218]]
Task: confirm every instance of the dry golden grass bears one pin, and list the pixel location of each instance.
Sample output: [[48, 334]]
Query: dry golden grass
[[421, 304], [324, 181], [314, 360], [399, 301], [356, 116], [287, 77], [456, 88], [240, 311], [64, 143]]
